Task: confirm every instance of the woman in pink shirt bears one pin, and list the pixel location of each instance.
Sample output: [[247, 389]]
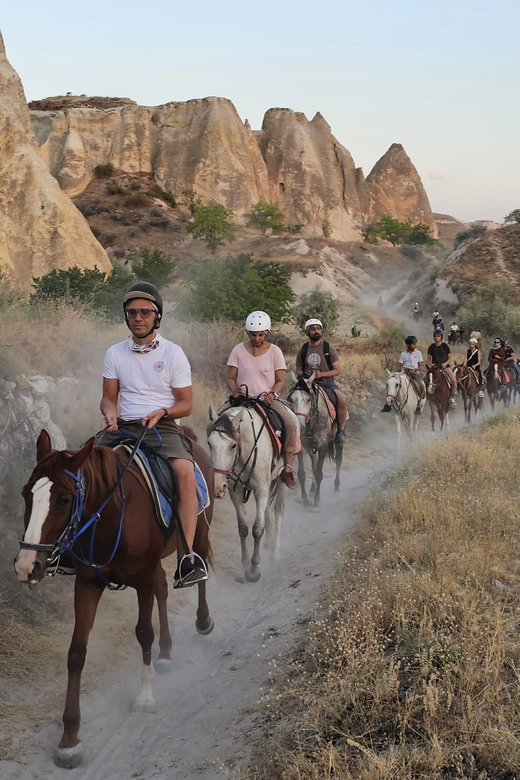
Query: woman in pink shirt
[[260, 367]]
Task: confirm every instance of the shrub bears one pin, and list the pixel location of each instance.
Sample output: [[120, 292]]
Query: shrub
[[137, 200], [153, 266], [266, 216], [319, 304], [231, 288], [102, 291], [513, 216], [295, 229], [355, 331], [493, 312], [473, 232], [214, 224], [413, 252], [192, 200], [114, 189], [104, 171], [326, 227]]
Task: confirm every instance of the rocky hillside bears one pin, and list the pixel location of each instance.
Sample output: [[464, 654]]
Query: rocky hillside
[[494, 256], [40, 228], [448, 228], [204, 145]]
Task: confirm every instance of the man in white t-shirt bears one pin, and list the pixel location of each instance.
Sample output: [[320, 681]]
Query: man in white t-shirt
[[150, 379], [411, 361]]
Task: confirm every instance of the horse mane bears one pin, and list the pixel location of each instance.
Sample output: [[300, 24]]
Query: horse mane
[[224, 424]]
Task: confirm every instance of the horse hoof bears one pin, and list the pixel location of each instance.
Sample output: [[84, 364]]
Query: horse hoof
[[307, 502], [316, 504], [144, 705], [208, 630], [253, 575], [69, 758], [336, 488], [163, 665]]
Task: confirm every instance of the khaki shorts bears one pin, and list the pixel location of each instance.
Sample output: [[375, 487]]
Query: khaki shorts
[[175, 444]]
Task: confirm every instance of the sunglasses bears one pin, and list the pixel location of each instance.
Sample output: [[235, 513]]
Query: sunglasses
[[132, 313]]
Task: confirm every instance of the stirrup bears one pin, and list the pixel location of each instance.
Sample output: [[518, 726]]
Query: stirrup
[[192, 574]]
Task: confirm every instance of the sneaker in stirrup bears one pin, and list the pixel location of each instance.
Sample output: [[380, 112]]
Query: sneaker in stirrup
[[386, 408], [287, 477], [188, 573], [452, 401], [418, 411], [340, 437]]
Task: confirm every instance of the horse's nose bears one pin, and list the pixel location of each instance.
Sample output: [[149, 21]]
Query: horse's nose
[[37, 572]]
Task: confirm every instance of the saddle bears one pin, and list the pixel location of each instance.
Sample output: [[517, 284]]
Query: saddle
[[161, 481], [273, 422]]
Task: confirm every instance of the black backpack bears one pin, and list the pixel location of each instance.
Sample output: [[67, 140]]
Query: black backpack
[[326, 352]]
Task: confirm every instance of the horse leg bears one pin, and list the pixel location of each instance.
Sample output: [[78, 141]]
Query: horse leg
[[278, 510], [398, 428], [301, 477], [314, 459], [164, 661], [432, 415], [204, 623], [86, 599], [145, 701], [243, 530], [319, 474], [262, 498], [339, 461]]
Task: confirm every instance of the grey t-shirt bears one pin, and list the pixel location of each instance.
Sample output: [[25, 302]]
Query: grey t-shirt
[[316, 360]]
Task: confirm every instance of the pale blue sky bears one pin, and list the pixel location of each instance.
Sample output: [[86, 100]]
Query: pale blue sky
[[442, 79]]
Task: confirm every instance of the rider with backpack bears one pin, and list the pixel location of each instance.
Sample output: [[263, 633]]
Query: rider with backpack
[[320, 357]]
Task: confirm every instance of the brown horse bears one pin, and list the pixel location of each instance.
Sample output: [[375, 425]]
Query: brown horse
[[497, 390], [469, 388], [438, 392], [127, 544]]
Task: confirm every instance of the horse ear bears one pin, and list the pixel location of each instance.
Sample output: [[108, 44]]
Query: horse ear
[[79, 458], [212, 415], [388, 372], [43, 445], [293, 377]]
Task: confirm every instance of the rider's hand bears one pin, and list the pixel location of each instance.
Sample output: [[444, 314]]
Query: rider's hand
[[269, 398], [318, 374], [110, 422], [153, 418], [236, 392]]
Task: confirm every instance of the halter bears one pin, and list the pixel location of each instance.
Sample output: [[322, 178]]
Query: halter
[[73, 531]]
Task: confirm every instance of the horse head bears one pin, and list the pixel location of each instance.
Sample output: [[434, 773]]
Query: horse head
[[303, 398], [224, 445], [49, 498], [393, 385], [432, 378]]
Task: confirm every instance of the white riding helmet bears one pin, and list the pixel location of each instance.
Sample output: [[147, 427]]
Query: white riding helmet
[[313, 322], [258, 320], [473, 341]]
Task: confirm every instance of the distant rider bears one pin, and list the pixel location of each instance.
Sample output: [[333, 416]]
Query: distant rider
[[497, 357], [411, 361], [380, 301], [321, 357], [259, 367], [437, 322], [511, 361], [440, 355], [473, 360]]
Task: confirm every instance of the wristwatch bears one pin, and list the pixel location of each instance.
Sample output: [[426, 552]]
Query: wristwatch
[[165, 413]]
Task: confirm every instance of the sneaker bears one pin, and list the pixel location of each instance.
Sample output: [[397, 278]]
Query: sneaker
[[452, 402], [481, 394], [418, 411], [386, 408], [341, 438], [287, 477], [188, 573]]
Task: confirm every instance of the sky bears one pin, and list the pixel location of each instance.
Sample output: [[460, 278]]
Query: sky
[[443, 79]]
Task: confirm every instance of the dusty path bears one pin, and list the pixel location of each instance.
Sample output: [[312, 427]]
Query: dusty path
[[201, 723]]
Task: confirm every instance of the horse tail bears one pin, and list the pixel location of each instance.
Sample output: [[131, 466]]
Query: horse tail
[[331, 450]]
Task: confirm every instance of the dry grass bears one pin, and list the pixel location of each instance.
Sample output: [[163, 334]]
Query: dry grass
[[411, 670]]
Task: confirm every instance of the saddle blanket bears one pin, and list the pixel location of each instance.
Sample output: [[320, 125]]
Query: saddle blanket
[[161, 502]]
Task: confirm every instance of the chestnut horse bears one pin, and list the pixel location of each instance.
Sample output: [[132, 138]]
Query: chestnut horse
[[438, 392], [127, 543], [468, 384], [497, 390]]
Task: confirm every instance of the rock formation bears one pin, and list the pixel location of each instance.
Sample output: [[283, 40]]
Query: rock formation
[[312, 176], [40, 228], [397, 191], [448, 228]]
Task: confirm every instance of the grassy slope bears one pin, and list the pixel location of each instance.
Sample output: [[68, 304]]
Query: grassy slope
[[410, 670]]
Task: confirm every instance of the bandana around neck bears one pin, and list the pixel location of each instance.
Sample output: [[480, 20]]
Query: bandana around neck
[[142, 349]]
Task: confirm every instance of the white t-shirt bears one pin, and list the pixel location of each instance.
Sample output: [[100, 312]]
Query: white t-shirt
[[410, 359], [146, 380]]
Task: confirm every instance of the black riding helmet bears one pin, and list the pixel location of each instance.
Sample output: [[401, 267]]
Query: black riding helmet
[[410, 340], [150, 293], [438, 332]]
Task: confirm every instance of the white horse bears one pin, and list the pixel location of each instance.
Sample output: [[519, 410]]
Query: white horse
[[401, 396], [242, 455]]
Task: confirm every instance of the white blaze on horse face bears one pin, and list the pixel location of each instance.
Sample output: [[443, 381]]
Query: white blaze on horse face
[[40, 509]]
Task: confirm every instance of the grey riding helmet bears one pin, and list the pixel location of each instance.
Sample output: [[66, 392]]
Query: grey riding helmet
[[438, 332], [149, 292], [410, 340]]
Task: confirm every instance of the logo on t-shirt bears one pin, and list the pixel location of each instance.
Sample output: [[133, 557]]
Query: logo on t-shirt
[[159, 366], [314, 360]]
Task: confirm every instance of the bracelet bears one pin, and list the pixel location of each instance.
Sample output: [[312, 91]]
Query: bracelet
[[166, 413]]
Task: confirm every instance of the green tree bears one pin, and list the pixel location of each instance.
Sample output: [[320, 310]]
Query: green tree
[[327, 228], [390, 229], [230, 288], [266, 216], [102, 291], [192, 200], [513, 216], [319, 304], [214, 224], [493, 311], [153, 266]]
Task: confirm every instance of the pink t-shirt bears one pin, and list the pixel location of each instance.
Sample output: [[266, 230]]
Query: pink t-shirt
[[256, 372]]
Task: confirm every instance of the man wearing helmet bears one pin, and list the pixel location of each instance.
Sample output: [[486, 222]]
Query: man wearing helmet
[[149, 378], [411, 361], [497, 356], [258, 367], [440, 355], [511, 361], [320, 357], [473, 360]]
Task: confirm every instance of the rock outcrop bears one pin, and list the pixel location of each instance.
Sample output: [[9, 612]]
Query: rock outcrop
[[40, 228], [397, 190], [448, 228], [312, 176]]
